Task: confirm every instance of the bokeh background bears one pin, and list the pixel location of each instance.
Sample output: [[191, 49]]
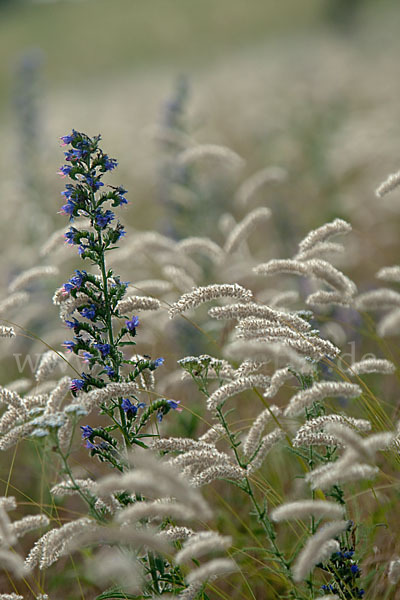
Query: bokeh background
[[311, 87]]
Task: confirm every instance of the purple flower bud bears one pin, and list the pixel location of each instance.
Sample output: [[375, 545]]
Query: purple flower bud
[[132, 324], [87, 431]]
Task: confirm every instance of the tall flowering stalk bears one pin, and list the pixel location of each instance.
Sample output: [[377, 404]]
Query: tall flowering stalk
[[102, 331]]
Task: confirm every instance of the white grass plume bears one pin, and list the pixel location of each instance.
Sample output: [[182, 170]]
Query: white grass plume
[[267, 443], [218, 397], [372, 365], [323, 233], [13, 301], [389, 273], [200, 544], [181, 280], [312, 432], [319, 250], [209, 151], [317, 392], [263, 350], [10, 561], [389, 325], [206, 294], [131, 303], [150, 287], [278, 379], [259, 311], [199, 245], [256, 430], [255, 182], [316, 550], [387, 186], [27, 277], [378, 299], [244, 229], [155, 479], [216, 567], [320, 509], [315, 268], [218, 471], [323, 298], [48, 362], [156, 510]]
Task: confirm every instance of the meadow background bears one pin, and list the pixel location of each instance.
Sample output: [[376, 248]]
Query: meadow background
[[309, 86]]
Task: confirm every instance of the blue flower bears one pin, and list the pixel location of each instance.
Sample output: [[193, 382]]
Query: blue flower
[[65, 170], [120, 232], [75, 282], [67, 139], [87, 431], [89, 313], [86, 356], [70, 235], [121, 195], [174, 404], [68, 209], [157, 362], [69, 192], [72, 324], [354, 569], [93, 182], [77, 384], [110, 371], [90, 446], [104, 349], [132, 324], [69, 346], [76, 154], [129, 408], [104, 218], [109, 163]]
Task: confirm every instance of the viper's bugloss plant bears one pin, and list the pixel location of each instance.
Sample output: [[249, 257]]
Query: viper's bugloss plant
[[102, 332]]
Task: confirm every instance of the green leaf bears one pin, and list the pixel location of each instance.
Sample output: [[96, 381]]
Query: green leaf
[[115, 593]]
